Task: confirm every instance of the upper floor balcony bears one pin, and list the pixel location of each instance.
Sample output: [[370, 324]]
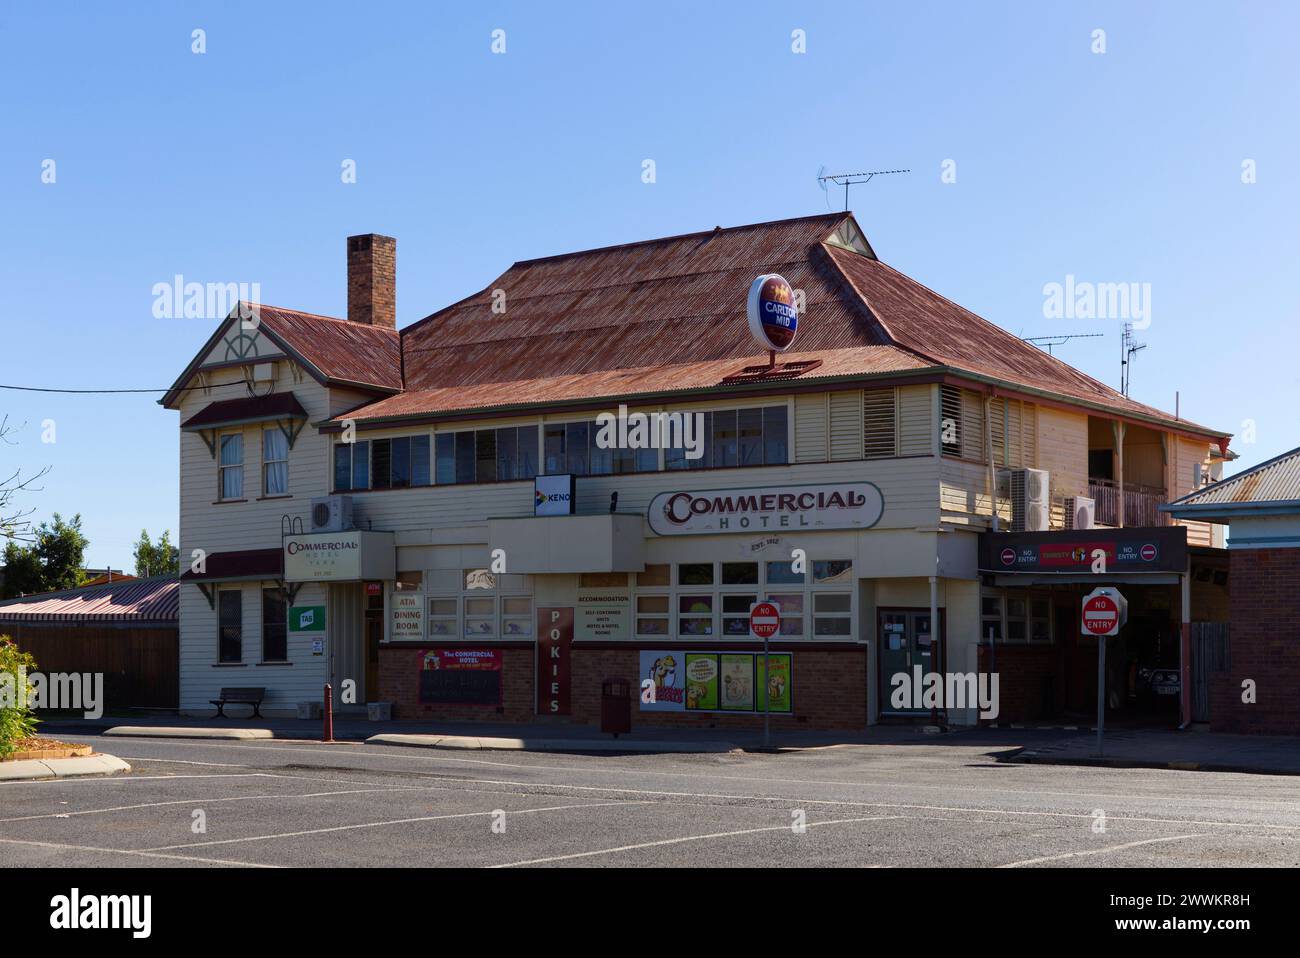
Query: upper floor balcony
[[1141, 503]]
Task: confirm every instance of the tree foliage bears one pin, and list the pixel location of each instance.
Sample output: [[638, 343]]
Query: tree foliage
[[54, 560], [160, 558]]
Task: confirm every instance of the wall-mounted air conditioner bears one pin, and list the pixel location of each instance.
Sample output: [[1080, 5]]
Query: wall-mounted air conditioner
[[1030, 505], [1080, 512], [331, 514]]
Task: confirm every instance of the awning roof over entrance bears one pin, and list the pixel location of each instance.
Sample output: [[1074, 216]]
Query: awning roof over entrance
[[236, 566]]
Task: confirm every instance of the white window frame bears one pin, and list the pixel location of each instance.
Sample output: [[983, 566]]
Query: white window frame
[[222, 468], [267, 463]]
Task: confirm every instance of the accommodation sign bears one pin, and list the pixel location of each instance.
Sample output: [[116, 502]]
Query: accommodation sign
[[844, 505]]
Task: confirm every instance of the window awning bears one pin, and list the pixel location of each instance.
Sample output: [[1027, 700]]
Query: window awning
[[283, 409], [247, 565]]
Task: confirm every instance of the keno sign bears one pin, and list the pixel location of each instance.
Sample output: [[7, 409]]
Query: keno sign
[[845, 505]]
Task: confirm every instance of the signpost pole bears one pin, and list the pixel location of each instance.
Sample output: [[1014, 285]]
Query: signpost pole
[[767, 697], [1101, 689]]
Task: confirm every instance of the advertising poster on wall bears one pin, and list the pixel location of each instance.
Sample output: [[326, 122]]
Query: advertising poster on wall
[[714, 681], [662, 668], [777, 684], [737, 683], [455, 676], [701, 681]]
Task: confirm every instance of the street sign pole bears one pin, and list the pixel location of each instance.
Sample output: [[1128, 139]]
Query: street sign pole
[[764, 620], [1101, 689]]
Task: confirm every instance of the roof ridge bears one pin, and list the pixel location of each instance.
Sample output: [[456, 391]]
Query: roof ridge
[[678, 236], [333, 319]]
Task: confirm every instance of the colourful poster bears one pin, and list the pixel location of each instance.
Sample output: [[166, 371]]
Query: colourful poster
[[778, 684], [738, 682], [668, 682], [701, 681]]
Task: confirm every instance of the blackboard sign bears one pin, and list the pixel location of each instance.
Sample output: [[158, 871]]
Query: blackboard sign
[[460, 677]]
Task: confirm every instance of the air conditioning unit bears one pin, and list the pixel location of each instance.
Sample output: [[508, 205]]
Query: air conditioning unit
[[331, 514], [1030, 506], [1080, 512]]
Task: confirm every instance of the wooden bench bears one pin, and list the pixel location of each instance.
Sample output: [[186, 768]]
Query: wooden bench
[[239, 696]]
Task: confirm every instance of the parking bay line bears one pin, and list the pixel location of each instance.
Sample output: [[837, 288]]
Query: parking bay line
[[690, 838], [1096, 851], [396, 821], [207, 801], [146, 853]]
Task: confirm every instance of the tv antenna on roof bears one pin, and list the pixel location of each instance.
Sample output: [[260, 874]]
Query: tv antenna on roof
[[849, 179], [1129, 347], [1058, 340]]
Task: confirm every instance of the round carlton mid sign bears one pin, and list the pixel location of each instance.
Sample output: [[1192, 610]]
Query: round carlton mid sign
[[764, 619], [1104, 611], [772, 312]]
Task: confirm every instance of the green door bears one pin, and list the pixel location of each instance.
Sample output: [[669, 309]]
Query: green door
[[905, 642]]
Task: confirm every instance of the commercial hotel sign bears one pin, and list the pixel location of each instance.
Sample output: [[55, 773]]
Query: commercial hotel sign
[[844, 505], [340, 557]]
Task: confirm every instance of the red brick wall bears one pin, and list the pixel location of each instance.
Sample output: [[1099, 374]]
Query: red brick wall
[[829, 690], [1264, 645], [1023, 673]]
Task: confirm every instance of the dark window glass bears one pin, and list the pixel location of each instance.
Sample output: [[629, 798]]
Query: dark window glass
[[444, 445], [507, 454], [230, 612], [602, 460], [695, 573], [1101, 464], [740, 573], [702, 426], [465, 457], [401, 462], [275, 639], [361, 465], [342, 466], [381, 463], [775, 430], [419, 460], [527, 442], [698, 426], [724, 438], [577, 442], [485, 455], [749, 429], [555, 457]]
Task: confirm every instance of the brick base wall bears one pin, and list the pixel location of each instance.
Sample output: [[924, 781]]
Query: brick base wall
[[830, 691], [1030, 681], [1264, 645]]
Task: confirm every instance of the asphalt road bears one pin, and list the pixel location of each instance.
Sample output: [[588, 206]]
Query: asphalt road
[[291, 803]]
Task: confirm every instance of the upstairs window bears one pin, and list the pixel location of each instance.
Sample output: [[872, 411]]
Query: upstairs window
[[486, 455], [231, 466], [275, 462], [398, 463]]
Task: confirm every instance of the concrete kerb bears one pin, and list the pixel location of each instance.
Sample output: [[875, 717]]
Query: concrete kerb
[[178, 731], [486, 743], [33, 769], [1023, 757]]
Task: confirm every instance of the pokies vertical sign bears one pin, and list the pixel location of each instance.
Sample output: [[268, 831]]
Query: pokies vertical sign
[[554, 649]]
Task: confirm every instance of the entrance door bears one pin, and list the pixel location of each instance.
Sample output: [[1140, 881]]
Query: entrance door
[[905, 642], [374, 635]]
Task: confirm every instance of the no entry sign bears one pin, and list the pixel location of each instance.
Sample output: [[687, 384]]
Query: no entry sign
[[1104, 612], [764, 619]]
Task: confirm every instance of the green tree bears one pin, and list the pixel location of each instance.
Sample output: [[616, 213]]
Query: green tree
[[160, 558], [53, 561], [17, 721]]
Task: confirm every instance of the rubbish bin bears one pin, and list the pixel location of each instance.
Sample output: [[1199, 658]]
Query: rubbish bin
[[615, 706]]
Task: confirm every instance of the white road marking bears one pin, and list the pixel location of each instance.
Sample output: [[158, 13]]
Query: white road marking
[[128, 851], [690, 838], [209, 801], [1096, 851], [396, 821]]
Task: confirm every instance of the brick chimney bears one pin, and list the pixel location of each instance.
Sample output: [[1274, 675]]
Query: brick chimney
[[372, 280]]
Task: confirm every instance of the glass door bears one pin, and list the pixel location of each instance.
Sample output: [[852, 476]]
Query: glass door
[[906, 641]]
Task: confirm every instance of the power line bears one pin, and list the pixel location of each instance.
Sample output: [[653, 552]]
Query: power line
[[52, 389]]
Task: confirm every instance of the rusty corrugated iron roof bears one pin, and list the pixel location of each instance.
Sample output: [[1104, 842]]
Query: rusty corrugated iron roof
[[155, 599], [622, 383], [343, 352], [1274, 481]]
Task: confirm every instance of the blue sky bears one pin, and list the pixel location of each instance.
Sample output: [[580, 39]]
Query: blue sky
[[1124, 166]]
